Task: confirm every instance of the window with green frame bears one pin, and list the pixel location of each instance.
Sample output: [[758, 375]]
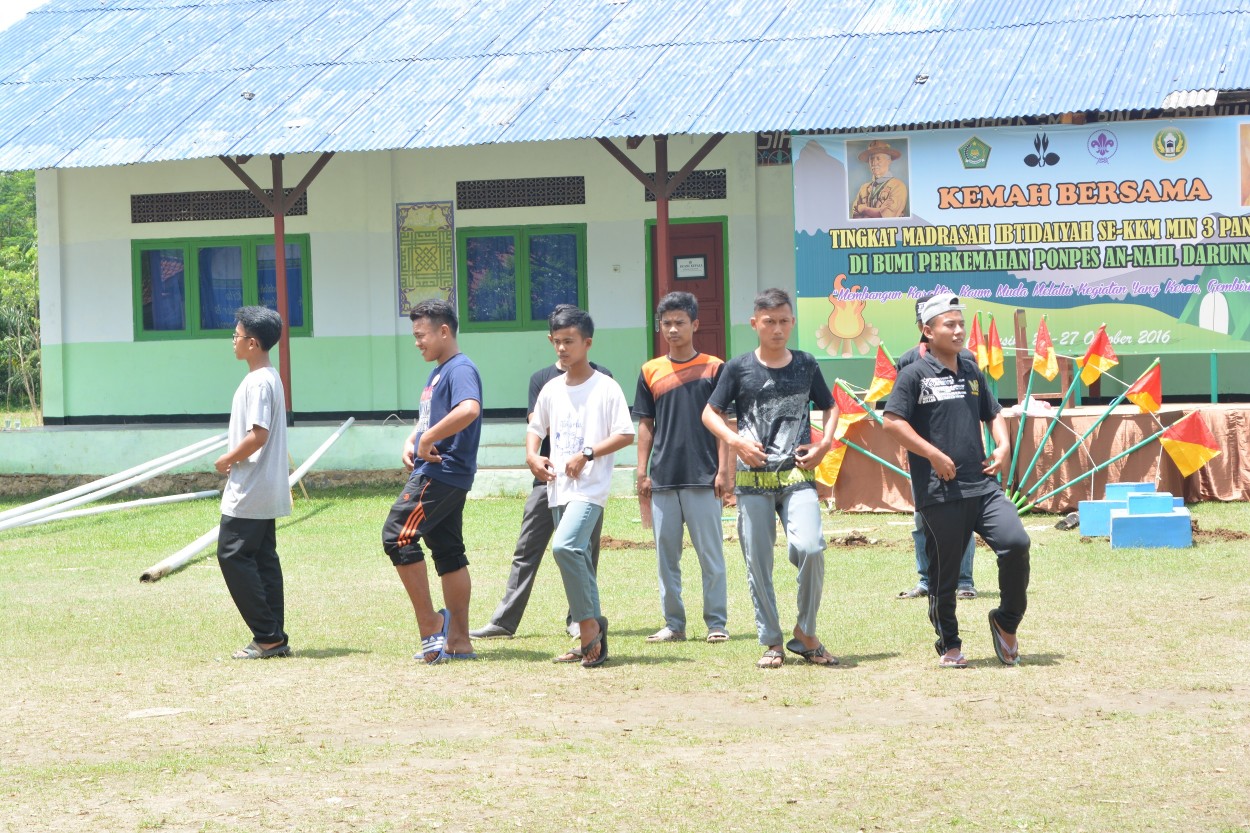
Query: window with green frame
[[512, 277], [190, 287]]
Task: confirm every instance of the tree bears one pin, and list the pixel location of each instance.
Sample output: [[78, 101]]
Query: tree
[[19, 290]]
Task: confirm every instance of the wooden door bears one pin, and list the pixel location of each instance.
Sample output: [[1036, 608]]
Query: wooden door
[[696, 251]]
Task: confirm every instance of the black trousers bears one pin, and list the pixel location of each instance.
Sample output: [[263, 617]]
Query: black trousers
[[947, 527], [247, 552], [537, 528]]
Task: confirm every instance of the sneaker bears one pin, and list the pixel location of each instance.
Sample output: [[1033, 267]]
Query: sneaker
[[667, 634], [966, 593], [917, 592], [491, 631]]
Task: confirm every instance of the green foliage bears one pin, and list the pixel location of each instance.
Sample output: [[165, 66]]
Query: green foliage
[[19, 290]]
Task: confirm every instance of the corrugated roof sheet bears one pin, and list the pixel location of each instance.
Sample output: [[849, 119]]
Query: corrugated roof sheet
[[112, 82]]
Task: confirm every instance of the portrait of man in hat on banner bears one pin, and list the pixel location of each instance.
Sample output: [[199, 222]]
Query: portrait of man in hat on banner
[[883, 193]]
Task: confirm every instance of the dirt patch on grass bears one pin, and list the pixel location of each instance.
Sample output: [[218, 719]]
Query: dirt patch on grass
[[607, 542], [1206, 536]]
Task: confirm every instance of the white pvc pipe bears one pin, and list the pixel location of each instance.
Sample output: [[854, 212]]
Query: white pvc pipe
[[116, 487], [191, 550], [130, 504], [182, 556], [299, 473], [105, 481]]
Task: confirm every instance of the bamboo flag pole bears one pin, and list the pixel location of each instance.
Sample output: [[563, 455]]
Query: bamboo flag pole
[[1084, 436], [868, 408], [1015, 449], [106, 481], [191, 550], [1023, 509], [872, 456], [29, 517], [1050, 429]]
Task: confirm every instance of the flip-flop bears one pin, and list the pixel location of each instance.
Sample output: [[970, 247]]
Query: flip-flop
[[770, 655], [469, 655], [569, 656], [601, 639], [436, 643], [957, 661], [1001, 650], [254, 651], [815, 656], [717, 635]]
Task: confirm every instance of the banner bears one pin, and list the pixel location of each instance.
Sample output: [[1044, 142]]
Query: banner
[[425, 253], [1139, 225]]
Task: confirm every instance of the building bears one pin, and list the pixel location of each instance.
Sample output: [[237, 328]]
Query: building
[[492, 150]]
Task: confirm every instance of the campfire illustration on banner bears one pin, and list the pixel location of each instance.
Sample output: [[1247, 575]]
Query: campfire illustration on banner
[[846, 330]]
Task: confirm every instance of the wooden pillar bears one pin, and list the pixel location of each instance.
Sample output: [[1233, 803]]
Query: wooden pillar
[[279, 276], [663, 262]]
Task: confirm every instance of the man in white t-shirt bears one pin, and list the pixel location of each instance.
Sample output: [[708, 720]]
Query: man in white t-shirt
[[257, 491], [587, 419]]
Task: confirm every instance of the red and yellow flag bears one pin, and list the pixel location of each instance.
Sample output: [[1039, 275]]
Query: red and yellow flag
[[883, 376], [827, 471], [1098, 358], [1147, 392], [994, 347], [849, 412], [976, 343], [1044, 360], [1189, 443]]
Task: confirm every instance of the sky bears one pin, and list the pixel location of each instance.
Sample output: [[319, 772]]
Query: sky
[[11, 11]]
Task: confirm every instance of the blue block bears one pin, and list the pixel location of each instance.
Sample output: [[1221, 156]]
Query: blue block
[[1172, 529], [1120, 491], [1096, 516], [1159, 503]]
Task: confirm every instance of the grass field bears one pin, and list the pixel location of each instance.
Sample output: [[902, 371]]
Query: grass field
[[120, 710]]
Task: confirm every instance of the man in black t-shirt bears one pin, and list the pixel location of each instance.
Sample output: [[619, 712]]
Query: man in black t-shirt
[[967, 589], [772, 389], [935, 411], [537, 528]]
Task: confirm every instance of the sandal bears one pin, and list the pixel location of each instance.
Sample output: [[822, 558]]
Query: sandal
[[434, 647], [815, 656], [957, 661], [917, 592], [601, 639], [572, 655], [966, 593], [717, 635], [1001, 650], [772, 659], [254, 651]]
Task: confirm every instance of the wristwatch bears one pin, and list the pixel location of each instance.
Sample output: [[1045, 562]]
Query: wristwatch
[[588, 453]]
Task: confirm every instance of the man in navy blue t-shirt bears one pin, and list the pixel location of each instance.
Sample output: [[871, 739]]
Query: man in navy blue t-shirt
[[442, 454]]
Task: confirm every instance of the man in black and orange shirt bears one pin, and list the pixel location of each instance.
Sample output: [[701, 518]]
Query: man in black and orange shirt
[[681, 468]]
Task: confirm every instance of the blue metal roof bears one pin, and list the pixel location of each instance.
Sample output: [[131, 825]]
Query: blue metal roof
[[113, 82]]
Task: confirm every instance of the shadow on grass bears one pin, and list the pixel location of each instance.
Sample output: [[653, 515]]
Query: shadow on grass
[[853, 660], [1025, 659], [327, 653], [299, 519]]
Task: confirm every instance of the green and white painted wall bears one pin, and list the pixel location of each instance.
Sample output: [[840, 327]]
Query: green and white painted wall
[[359, 357]]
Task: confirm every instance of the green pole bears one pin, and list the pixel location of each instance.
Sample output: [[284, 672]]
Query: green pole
[[1015, 449], [1076, 380], [872, 456], [871, 411], [1084, 436], [1215, 389], [1023, 509]]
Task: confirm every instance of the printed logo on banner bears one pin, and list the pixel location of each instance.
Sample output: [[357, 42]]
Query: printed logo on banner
[[1170, 144], [974, 154], [1044, 156], [1102, 145]]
